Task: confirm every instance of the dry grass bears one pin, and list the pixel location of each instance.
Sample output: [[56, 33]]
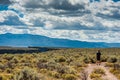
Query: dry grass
[[64, 64]]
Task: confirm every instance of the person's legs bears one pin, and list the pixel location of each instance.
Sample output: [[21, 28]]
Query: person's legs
[[98, 62], [98, 59]]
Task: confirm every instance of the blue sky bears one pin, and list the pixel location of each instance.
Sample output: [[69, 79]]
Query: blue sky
[[84, 20]]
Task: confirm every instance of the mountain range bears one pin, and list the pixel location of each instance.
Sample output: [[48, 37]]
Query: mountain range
[[25, 40]]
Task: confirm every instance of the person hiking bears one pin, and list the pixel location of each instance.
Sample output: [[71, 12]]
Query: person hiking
[[98, 57]]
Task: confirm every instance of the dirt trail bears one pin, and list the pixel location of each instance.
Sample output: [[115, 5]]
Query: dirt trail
[[108, 75]]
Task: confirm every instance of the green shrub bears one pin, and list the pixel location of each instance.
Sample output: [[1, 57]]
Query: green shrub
[[112, 70], [43, 71], [10, 65], [69, 60], [54, 74], [115, 72], [2, 66], [27, 74], [66, 70], [109, 64], [14, 60], [62, 69], [69, 77], [77, 64], [8, 70], [99, 71], [8, 57], [42, 60], [112, 59], [92, 59], [5, 77], [94, 75], [104, 58], [61, 59], [71, 70], [42, 65], [84, 75], [53, 65], [86, 60]]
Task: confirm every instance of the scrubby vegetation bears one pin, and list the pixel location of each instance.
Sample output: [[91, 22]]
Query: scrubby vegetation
[[114, 66], [64, 64], [97, 73]]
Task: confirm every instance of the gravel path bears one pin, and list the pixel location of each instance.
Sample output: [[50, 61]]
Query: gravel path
[[108, 75]]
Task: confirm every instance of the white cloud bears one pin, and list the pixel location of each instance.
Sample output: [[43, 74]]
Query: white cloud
[[81, 35], [5, 14], [74, 2], [89, 15], [71, 19], [10, 29], [10, 18]]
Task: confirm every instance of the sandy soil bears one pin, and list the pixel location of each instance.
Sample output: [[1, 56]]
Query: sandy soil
[[108, 75]]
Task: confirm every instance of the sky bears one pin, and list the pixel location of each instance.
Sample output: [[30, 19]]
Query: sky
[[83, 20]]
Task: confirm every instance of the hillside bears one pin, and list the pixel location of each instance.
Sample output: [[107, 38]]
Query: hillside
[[25, 40]]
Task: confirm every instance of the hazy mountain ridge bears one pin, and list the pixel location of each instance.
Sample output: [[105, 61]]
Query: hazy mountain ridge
[[38, 40]]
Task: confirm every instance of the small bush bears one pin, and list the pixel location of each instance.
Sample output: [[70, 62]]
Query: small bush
[[104, 58], [15, 60], [42, 60], [62, 70], [53, 65], [115, 72], [84, 75], [112, 59], [86, 60], [99, 71], [94, 75], [5, 77], [2, 66], [77, 64], [8, 57], [26, 74], [54, 74], [8, 70], [42, 65], [10, 65], [69, 77], [71, 70], [43, 70], [109, 64], [61, 59]]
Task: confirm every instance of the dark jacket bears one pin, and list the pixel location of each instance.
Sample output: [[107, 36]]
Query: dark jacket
[[98, 55]]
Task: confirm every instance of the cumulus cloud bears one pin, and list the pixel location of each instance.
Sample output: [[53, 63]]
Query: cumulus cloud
[[10, 18], [5, 2], [72, 17], [55, 4], [81, 35], [11, 29], [70, 14]]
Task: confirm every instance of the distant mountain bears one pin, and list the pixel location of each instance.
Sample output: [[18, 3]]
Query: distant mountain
[[24, 40]]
